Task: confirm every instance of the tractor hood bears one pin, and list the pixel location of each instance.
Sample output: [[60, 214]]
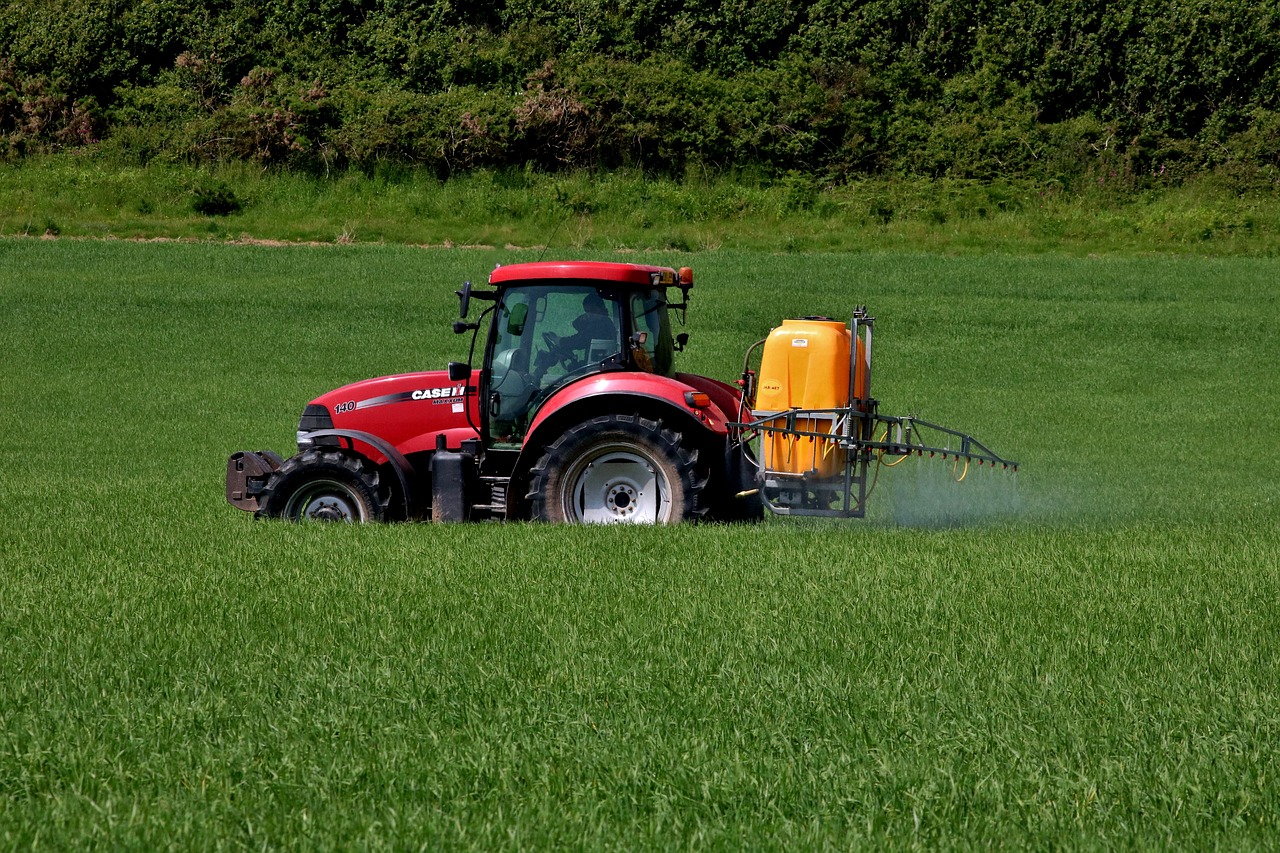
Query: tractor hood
[[407, 409]]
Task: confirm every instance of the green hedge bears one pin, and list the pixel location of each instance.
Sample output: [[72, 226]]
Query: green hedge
[[1120, 92]]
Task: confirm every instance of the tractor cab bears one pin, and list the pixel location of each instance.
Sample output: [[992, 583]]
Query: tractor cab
[[553, 324]]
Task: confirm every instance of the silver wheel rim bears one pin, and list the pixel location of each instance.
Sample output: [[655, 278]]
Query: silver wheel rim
[[324, 500], [616, 484]]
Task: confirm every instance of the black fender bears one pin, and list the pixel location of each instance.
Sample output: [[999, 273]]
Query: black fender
[[709, 443], [403, 468], [741, 470]]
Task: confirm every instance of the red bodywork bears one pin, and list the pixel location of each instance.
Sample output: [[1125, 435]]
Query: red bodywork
[[408, 410], [578, 270], [713, 417]]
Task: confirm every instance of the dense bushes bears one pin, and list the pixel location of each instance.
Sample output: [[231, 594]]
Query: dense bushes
[[1115, 91]]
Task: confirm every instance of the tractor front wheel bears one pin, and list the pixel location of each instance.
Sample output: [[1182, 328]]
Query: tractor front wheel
[[325, 485], [617, 469]]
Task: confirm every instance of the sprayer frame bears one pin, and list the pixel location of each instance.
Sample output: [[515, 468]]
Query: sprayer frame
[[853, 433]]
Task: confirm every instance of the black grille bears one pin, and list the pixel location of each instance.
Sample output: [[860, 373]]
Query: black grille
[[315, 417]]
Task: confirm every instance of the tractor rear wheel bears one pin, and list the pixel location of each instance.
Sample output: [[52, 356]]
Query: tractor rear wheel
[[325, 485], [617, 469]]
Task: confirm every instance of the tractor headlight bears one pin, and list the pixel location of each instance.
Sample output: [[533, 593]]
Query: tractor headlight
[[314, 417]]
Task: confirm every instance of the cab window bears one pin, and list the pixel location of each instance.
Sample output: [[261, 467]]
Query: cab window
[[649, 316], [543, 335]]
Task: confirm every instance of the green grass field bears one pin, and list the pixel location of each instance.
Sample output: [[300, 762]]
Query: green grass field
[[83, 195], [1084, 657]]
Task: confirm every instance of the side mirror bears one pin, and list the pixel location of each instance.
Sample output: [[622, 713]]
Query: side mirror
[[459, 371], [639, 339], [464, 299]]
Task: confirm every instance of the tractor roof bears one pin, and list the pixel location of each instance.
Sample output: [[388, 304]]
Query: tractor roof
[[639, 275]]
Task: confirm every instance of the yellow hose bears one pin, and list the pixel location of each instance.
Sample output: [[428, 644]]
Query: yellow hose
[[882, 452]]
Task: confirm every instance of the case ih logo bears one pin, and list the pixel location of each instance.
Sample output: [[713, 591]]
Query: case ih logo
[[439, 393]]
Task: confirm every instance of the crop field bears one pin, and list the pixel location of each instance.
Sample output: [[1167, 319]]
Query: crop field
[[1084, 656]]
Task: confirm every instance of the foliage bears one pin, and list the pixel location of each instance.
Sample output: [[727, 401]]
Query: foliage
[[37, 117], [841, 89], [214, 198]]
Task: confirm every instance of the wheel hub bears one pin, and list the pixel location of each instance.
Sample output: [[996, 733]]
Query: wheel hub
[[617, 487], [324, 500], [329, 509], [621, 498]]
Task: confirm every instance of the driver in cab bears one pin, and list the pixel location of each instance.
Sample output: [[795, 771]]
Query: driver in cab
[[593, 325]]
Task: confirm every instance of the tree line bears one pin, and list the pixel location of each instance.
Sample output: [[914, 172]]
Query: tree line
[[1058, 90]]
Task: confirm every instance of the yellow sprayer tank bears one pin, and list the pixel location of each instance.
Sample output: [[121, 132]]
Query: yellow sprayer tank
[[805, 365]]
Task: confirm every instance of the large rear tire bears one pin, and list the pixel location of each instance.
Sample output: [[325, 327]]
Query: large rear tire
[[325, 485], [617, 469]]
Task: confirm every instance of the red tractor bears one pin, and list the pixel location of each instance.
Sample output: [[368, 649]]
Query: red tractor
[[577, 414]]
